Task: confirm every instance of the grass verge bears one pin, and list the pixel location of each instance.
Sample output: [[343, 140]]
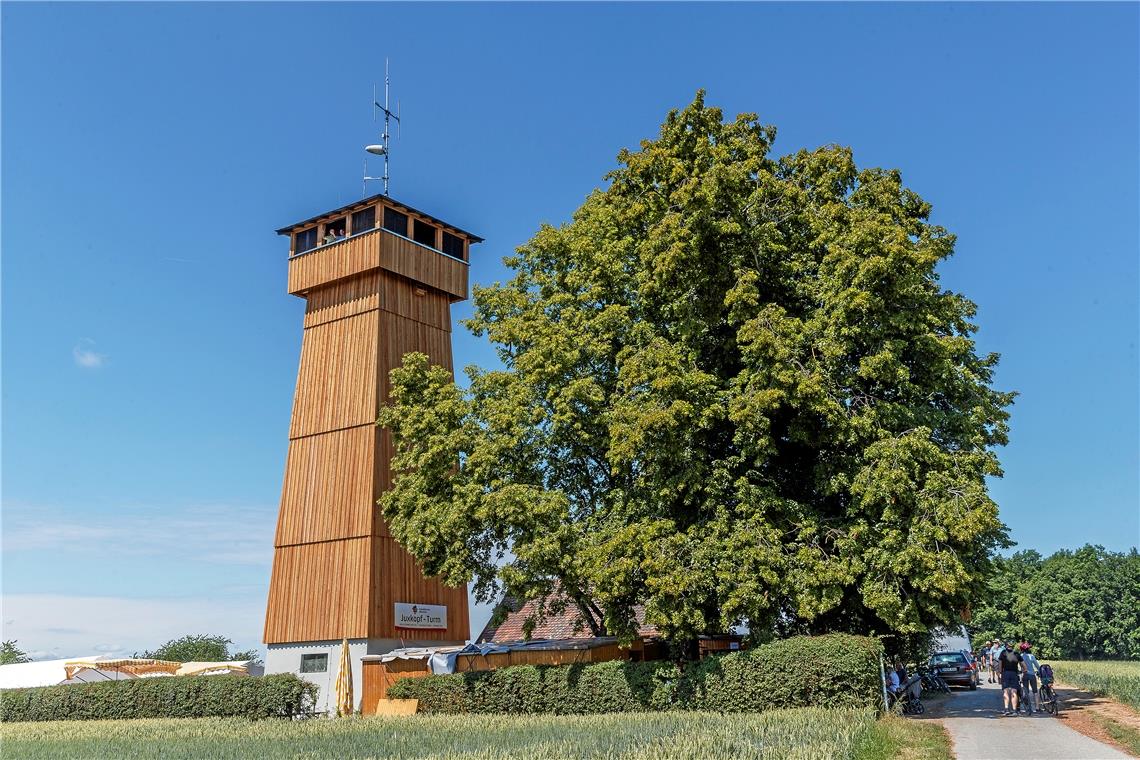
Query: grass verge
[[897, 738], [1117, 679], [1125, 736]]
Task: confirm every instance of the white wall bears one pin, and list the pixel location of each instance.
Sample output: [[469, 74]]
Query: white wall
[[286, 658]]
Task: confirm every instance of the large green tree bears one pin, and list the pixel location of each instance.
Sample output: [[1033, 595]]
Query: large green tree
[[10, 654], [1074, 604], [199, 648], [733, 391]]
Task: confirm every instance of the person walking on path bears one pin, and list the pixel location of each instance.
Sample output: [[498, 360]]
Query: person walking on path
[[1010, 678], [995, 663], [1029, 676]]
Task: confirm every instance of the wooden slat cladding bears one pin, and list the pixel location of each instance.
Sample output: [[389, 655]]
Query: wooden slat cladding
[[320, 592], [378, 677], [417, 263], [334, 262], [381, 479], [329, 487], [336, 383], [408, 299], [602, 653], [343, 298], [398, 578], [378, 249], [336, 570], [399, 336]]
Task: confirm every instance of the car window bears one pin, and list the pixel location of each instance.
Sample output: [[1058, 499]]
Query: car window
[[947, 659]]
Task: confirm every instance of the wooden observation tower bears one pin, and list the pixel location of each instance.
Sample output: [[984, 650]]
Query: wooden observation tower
[[378, 278]]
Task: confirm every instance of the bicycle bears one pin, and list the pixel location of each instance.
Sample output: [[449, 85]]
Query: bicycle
[[931, 681]]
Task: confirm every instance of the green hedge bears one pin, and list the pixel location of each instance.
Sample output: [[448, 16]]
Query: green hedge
[[175, 697], [828, 671]]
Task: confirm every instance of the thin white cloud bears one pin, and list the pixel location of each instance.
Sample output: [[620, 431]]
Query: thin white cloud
[[215, 534], [86, 356], [120, 625]]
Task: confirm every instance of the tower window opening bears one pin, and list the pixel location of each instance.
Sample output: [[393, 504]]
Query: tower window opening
[[363, 220], [334, 231], [423, 233], [453, 245], [396, 222], [305, 240]]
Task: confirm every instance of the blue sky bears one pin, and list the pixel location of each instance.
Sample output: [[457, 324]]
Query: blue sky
[[150, 150]]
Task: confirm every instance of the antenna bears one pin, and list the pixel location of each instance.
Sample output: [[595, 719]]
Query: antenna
[[383, 148]]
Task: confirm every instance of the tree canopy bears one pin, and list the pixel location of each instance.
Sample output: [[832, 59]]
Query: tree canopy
[[1073, 605], [10, 654], [199, 648], [733, 390]]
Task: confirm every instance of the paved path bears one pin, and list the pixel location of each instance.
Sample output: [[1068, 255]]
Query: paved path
[[980, 732]]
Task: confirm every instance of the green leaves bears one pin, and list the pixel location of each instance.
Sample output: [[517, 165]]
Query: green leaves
[[199, 648], [1075, 604], [10, 654], [252, 697], [826, 671], [732, 391]]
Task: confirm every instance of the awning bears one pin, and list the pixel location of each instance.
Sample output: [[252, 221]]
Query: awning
[[133, 666]]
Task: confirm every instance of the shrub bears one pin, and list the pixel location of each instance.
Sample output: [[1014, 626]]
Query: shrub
[[836, 670], [179, 697], [827, 671]]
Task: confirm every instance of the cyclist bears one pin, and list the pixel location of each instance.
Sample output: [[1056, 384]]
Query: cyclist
[[1011, 666], [1029, 668], [983, 658]]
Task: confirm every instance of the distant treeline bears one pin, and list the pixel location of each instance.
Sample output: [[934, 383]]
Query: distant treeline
[[1082, 604]]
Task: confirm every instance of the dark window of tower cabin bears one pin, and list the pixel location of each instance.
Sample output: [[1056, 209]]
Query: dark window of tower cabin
[[334, 230], [396, 222], [423, 233], [452, 245], [305, 240], [314, 663], [363, 220]]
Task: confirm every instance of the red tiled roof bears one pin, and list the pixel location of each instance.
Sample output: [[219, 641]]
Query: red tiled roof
[[565, 625]]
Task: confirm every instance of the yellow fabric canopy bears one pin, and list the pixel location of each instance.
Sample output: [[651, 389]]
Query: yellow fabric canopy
[[134, 666], [237, 667]]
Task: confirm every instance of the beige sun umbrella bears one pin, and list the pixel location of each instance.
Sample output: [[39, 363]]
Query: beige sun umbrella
[[344, 701]]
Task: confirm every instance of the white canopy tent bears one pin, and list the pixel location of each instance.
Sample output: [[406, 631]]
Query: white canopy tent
[[25, 675], [104, 668]]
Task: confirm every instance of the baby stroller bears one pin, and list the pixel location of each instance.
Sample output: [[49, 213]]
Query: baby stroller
[[1046, 696], [909, 696]]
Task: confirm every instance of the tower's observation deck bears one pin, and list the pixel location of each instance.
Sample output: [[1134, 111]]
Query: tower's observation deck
[[378, 278]]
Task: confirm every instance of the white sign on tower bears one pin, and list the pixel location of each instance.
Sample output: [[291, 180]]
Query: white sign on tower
[[432, 617]]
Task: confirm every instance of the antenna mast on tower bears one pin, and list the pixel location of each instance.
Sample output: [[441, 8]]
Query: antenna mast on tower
[[382, 149]]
